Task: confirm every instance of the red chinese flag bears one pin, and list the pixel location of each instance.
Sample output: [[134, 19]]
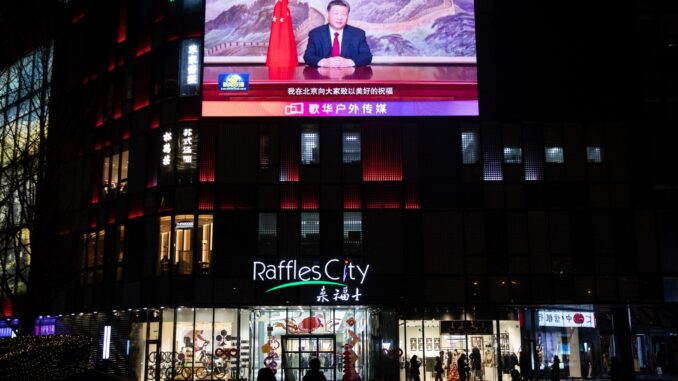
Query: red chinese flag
[[282, 47]]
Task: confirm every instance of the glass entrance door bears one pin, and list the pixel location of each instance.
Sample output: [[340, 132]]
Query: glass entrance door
[[298, 350]]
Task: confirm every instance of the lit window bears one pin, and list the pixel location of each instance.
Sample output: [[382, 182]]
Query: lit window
[[554, 155], [119, 252], [353, 231], [183, 247], [115, 169], [164, 242], [594, 154], [351, 147], [268, 232], [469, 147], [310, 147], [310, 233], [205, 232], [513, 155]]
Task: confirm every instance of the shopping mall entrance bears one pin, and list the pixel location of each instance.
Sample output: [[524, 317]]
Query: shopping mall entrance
[[297, 351]]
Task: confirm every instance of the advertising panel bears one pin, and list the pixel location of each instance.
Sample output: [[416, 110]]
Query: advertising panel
[[339, 58]]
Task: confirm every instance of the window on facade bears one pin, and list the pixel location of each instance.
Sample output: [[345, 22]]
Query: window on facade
[[205, 233], [183, 253], [119, 252], [310, 147], [265, 149], [268, 233], [164, 245], [115, 169], [177, 244], [351, 147], [24, 126], [513, 155], [353, 233], [594, 154], [554, 155], [92, 257], [310, 233], [470, 147]]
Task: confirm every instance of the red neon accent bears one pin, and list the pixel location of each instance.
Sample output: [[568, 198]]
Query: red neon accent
[[77, 16], [93, 76], [412, 198], [64, 231], [234, 199], [155, 122], [352, 199], [382, 154], [289, 197], [172, 37], [111, 65], [189, 118], [289, 161], [206, 153], [135, 206], [93, 221], [159, 18], [85, 80], [122, 26], [193, 35], [7, 307], [151, 180], [310, 199], [144, 45], [121, 61], [111, 216], [141, 101], [383, 198], [125, 133], [206, 200]]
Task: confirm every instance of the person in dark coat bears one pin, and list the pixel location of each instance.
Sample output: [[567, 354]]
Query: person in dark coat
[[555, 369], [515, 375], [414, 368], [476, 361], [462, 367], [265, 374], [438, 368], [314, 373]]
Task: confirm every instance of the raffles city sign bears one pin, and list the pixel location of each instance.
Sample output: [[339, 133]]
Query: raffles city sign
[[338, 281]]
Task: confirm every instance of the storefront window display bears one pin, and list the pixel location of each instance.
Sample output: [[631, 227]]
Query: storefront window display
[[583, 348], [232, 344], [446, 346], [287, 338]]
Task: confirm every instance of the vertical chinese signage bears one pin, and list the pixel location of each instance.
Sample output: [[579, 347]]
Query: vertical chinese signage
[[190, 67]]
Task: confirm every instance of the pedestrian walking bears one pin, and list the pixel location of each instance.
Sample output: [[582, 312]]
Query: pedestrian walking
[[555, 369], [414, 368]]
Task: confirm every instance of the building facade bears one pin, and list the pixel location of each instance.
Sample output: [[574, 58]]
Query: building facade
[[208, 248]]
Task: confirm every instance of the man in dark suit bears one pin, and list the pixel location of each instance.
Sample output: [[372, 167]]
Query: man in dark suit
[[337, 44]]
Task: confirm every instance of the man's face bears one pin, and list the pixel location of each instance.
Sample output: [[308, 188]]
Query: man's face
[[337, 17]]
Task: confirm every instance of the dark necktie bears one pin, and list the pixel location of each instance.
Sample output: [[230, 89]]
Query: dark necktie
[[335, 45]]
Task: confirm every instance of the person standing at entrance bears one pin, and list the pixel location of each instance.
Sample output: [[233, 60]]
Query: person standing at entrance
[[462, 366], [555, 369], [314, 373], [414, 368], [438, 368]]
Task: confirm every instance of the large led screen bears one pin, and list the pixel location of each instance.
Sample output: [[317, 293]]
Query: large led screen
[[358, 58]]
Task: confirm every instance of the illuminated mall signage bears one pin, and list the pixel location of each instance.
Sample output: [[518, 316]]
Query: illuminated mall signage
[[568, 319], [335, 276]]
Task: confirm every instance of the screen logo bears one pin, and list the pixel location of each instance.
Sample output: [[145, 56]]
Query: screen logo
[[234, 82]]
